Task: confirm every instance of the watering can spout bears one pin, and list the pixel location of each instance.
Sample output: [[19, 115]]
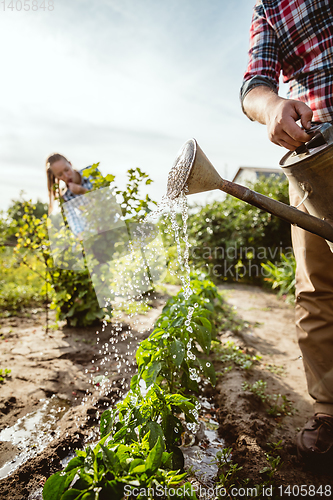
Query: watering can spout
[[192, 172]]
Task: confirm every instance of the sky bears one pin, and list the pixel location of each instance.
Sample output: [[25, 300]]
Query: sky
[[124, 83]]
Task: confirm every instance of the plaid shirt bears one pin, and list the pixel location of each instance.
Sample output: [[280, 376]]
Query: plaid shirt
[[295, 37], [74, 203]]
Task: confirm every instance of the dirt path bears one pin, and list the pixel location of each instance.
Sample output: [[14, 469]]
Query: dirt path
[[58, 370], [244, 421]]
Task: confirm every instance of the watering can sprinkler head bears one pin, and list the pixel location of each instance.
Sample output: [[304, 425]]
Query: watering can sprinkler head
[[192, 172]]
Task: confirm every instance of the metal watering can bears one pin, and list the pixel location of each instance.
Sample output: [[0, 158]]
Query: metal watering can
[[309, 169]]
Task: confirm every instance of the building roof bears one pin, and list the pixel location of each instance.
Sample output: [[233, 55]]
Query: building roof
[[255, 172]]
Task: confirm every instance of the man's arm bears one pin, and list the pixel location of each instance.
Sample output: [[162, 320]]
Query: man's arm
[[280, 115]]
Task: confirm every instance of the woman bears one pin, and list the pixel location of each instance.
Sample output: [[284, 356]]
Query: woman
[[58, 168]]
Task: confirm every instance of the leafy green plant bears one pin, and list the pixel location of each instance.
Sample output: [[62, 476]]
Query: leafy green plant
[[4, 374], [74, 297], [115, 470], [228, 475], [178, 348], [274, 464], [231, 239], [278, 404], [282, 276], [19, 287], [230, 353], [141, 437]]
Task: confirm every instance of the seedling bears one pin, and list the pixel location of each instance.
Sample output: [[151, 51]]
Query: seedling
[[276, 407], [4, 374]]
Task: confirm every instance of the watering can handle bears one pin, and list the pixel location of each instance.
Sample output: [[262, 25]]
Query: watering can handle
[[325, 130]]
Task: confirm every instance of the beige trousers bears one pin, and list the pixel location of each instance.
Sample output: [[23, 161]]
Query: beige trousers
[[314, 311]]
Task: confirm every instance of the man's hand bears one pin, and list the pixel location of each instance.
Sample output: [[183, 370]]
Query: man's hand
[[280, 115], [77, 188]]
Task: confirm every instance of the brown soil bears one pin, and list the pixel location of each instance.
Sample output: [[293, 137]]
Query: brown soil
[[244, 421], [61, 363]]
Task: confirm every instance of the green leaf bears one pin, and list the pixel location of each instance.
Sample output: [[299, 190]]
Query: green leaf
[[155, 431], [110, 460], [90, 495], [150, 375], [107, 420], [135, 463], [89, 461], [177, 459], [203, 338], [154, 458], [177, 322], [206, 323], [177, 351], [120, 434], [72, 494], [57, 484], [139, 469], [209, 370], [75, 463], [134, 382]]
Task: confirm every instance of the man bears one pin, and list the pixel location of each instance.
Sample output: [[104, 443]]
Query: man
[[296, 38]]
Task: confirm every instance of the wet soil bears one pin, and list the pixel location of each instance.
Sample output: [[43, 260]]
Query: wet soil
[[64, 363]]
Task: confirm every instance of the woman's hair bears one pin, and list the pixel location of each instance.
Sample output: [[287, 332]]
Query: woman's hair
[[51, 179]]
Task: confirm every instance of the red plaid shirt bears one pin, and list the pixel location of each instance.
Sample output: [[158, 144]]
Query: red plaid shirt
[[295, 37]]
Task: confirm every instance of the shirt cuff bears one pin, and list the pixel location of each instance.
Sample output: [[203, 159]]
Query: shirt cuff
[[253, 82]]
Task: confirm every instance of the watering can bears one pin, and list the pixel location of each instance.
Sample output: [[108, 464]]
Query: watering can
[[309, 169]]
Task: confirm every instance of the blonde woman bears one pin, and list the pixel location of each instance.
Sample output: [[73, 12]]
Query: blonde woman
[[58, 168]]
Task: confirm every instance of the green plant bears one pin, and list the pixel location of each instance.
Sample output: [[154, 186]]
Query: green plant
[[274, 464], [19, 287], [277, 408], [4, 374], [228, 475], [281, 276], [74, 297], [231, 239], [178, 348], [230, 353], [276, 369], [115, 470], [275, 448], [141, 437]]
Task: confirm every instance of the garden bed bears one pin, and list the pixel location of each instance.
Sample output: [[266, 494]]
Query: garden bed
[[60, 365]]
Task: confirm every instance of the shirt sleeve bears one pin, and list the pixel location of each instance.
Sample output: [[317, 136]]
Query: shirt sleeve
[[264, 65], [73, 216]]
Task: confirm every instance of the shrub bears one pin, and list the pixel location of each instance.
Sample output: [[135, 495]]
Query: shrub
[[281, 276], [232, 238]]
